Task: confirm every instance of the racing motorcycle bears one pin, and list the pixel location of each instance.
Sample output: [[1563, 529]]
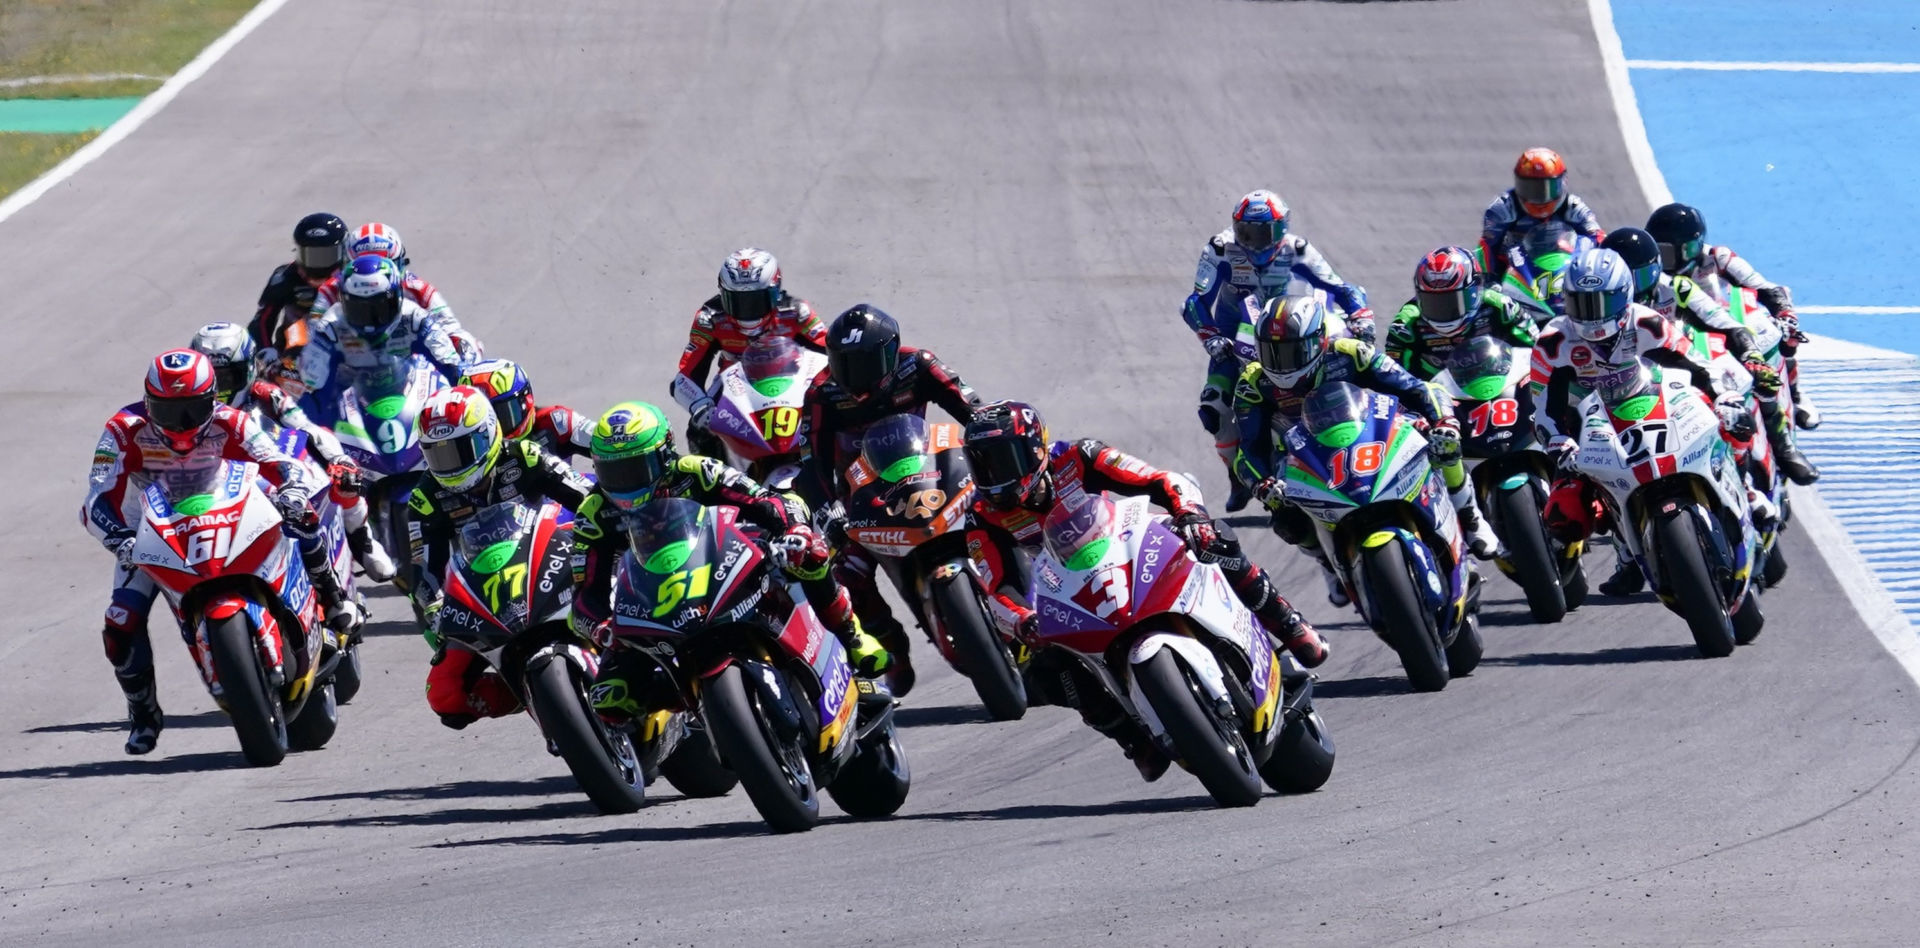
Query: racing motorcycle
[[730, 638], [1358, 466], [1127, 611], [376, 419], [1537, 267], [509, 589], [211, 540], [1512, 474], [909, 491], [756, 414], [1673, 489]]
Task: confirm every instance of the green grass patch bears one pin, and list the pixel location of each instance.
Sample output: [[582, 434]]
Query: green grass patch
[[23, 155], [78, 37]]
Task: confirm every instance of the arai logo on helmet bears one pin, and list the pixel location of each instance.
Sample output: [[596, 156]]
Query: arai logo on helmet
[[1589, 280], [441, 430]]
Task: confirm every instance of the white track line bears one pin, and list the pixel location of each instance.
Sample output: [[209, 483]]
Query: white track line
[[1859, 310], [25, 81], [139, 115], [1870, 599], [1709, 65]]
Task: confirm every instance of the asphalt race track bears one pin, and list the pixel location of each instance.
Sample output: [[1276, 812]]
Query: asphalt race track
[[1026, 186]]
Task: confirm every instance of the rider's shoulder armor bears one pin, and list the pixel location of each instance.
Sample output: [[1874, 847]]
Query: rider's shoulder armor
[[592, 520], [1360, 352], [421, 501], [1246, 389]]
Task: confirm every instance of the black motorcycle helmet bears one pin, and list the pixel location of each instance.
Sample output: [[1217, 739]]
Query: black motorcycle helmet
[[863, 348], [319, 243], [1681, 234], [1640, 251]]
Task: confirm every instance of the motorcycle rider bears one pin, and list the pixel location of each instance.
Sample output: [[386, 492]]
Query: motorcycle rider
[[1020, 474], [1539, 194], [1296, 357], [869, 376], [558, 429], [1599, 346], [180, 427], [279, 325], [372, 325], [1681, 232], [1240, 269], [232, 353], [1451, 306], [1677, 296], [472, 466], [751, 304], [635, 461], [383, 241]]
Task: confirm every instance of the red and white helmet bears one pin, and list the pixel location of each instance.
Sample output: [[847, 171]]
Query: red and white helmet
[[460, 436], [1446, 288], [749, 287], [180, 396], [377, 239]]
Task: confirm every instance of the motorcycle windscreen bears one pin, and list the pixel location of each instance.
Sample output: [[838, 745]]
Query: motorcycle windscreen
[[1077, 535], [769, 357], [1550, 245], [1480, 367], [896, 448], [674, 579], [488, 539]]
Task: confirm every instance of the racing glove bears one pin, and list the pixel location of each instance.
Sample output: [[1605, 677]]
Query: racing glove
[[121, 545], [801, 552], [1219, 348], [699, 414], [1765, 380], [1360, 324], [1269, 493], [1735, 419], [348, 479], [1563, 450], [1197, 530], [297, 510], [830, 521], [1443, 439]]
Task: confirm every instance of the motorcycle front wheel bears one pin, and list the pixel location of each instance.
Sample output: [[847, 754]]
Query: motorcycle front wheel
[[609, 774], [775, 773], [250, 699], [1690, 583], [1517, 512], [1402, 619], [1214, 750], [984, 658]]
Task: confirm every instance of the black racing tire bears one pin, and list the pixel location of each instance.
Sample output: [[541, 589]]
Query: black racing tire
[[560, 705], [1691, 585], [983, 656], [1748, 622], [1776, 568], [347, 675], [694, 767], [1463, 656], [1574, 585], [875, 782], [250, 699], [1535, 567], [1407, 625], [1217, 754], [1302, 759], [317, 721], [785, 794]]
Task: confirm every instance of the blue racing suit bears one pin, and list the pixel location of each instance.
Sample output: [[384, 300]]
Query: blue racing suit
[[337, 354]]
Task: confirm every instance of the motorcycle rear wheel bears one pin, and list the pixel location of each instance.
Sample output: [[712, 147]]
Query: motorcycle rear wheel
[[346, 675], [1408, 626], [984, 658], [1302, 758], [787, 798], [317, 721], [875, 782], [694, 767], [560, 705], [1517, 512], [1217, 755], [1692, 587], [1776, 569], [250, 699]]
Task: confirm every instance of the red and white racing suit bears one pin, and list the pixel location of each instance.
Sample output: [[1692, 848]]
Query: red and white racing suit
[[563, 432], [131, 455], [715, 341]]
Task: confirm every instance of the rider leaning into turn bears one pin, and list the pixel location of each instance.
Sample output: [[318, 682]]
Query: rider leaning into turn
[[181, 426], [1598, 346], [1677, 296], [751, 305], [472, 465], [556, 428], [635, 462], [1240, 269], [1681, 234], [1539, 194], [232, 353], [1296, 357], [1450, 308]]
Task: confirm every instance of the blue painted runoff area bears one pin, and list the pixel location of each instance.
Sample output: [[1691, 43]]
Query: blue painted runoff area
[[1813, 177]]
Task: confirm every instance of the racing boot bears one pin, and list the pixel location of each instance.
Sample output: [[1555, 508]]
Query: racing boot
[[371, 556], [1286, 624], [891, 637], [342, 614], [1147, 757], [1792, 463], [1482, 542], [1805, 415], [145, 720], [1627, 579], [1238, 496]]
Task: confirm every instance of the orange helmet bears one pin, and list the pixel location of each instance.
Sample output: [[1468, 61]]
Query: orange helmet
[[1540, 181]]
